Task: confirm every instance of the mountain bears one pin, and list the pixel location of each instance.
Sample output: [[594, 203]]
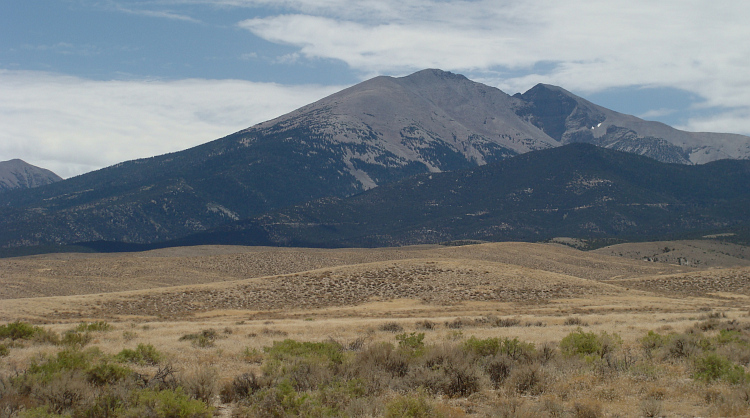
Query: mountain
[[568, 118], [577, 190], [18, 174], [374, 133]]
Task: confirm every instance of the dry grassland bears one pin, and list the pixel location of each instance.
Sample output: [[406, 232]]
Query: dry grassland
[[253, 297]]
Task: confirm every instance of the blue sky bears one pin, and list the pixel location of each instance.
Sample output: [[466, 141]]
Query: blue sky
[[88, 83]]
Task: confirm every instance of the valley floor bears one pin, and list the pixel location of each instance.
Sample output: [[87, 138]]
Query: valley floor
[[500, 329]]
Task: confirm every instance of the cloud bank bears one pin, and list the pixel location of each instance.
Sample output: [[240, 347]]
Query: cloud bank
[[693, 45], [72, 125]]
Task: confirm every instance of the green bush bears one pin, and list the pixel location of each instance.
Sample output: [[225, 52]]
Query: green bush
[[411, 407], [143, 354], [712, 367], [513, 348], [100, 326], [40, 412], [290, 349], [76, 339], [19, 331], [654, 341], [69, 359], [726, 337], [166, 403], [107, 374], [482, 347], [412, 343], [4, 350], [589, 343], [204, 339]]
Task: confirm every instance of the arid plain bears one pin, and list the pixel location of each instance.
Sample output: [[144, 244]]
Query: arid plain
[[538, 293]]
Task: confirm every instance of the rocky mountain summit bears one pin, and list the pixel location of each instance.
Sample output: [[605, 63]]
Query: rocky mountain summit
[[374, 133], [18, 174]]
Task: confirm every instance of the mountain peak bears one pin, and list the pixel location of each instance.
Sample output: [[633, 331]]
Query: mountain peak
[[435, 73], [18, 174]]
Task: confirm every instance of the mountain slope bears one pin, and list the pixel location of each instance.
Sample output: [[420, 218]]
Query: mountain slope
[[18, 174], [374, 133], [568, 118], [576, 190]]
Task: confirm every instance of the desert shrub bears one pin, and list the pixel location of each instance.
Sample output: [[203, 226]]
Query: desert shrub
[[482, 347], [712, 366], [240, 388], [273, 332], [411, 407], [651, 408], [393, 327], [620, 360], [283, 400], [163, 379], [304, 374], [106, 404], [252, 355], [514, 407], [201, 384], [445, 370], [62, 392], [129, 335], [589, 343], [494, 321], [575, 320], [166, 403], [739, 353], [107, 373], [546, 352], [339, 394], [498, 369], [66, 360], [412, 343], [75, 339], [683, 346], [654, 341], [328, 351], [515, 349], [382, 357], [98, 326], [528, 379], [458, 323], [143, 354], [730, 336], [587, 409], [203, 339], [357, 344], [4, 350], [19, 331], [426, 325]]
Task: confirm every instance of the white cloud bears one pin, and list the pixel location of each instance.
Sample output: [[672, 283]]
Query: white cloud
[[161, 14], [731, 121], [693, 45], [72, 125]]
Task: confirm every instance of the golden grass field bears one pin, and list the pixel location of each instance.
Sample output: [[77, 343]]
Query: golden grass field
[[256, 296]]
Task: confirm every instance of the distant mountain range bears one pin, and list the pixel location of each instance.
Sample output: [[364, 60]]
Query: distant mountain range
[[18, 174], [577, 190], [372, 134]]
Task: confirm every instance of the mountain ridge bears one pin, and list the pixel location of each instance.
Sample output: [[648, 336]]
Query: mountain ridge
[[576, 190], [374, 133], [18, 174]]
